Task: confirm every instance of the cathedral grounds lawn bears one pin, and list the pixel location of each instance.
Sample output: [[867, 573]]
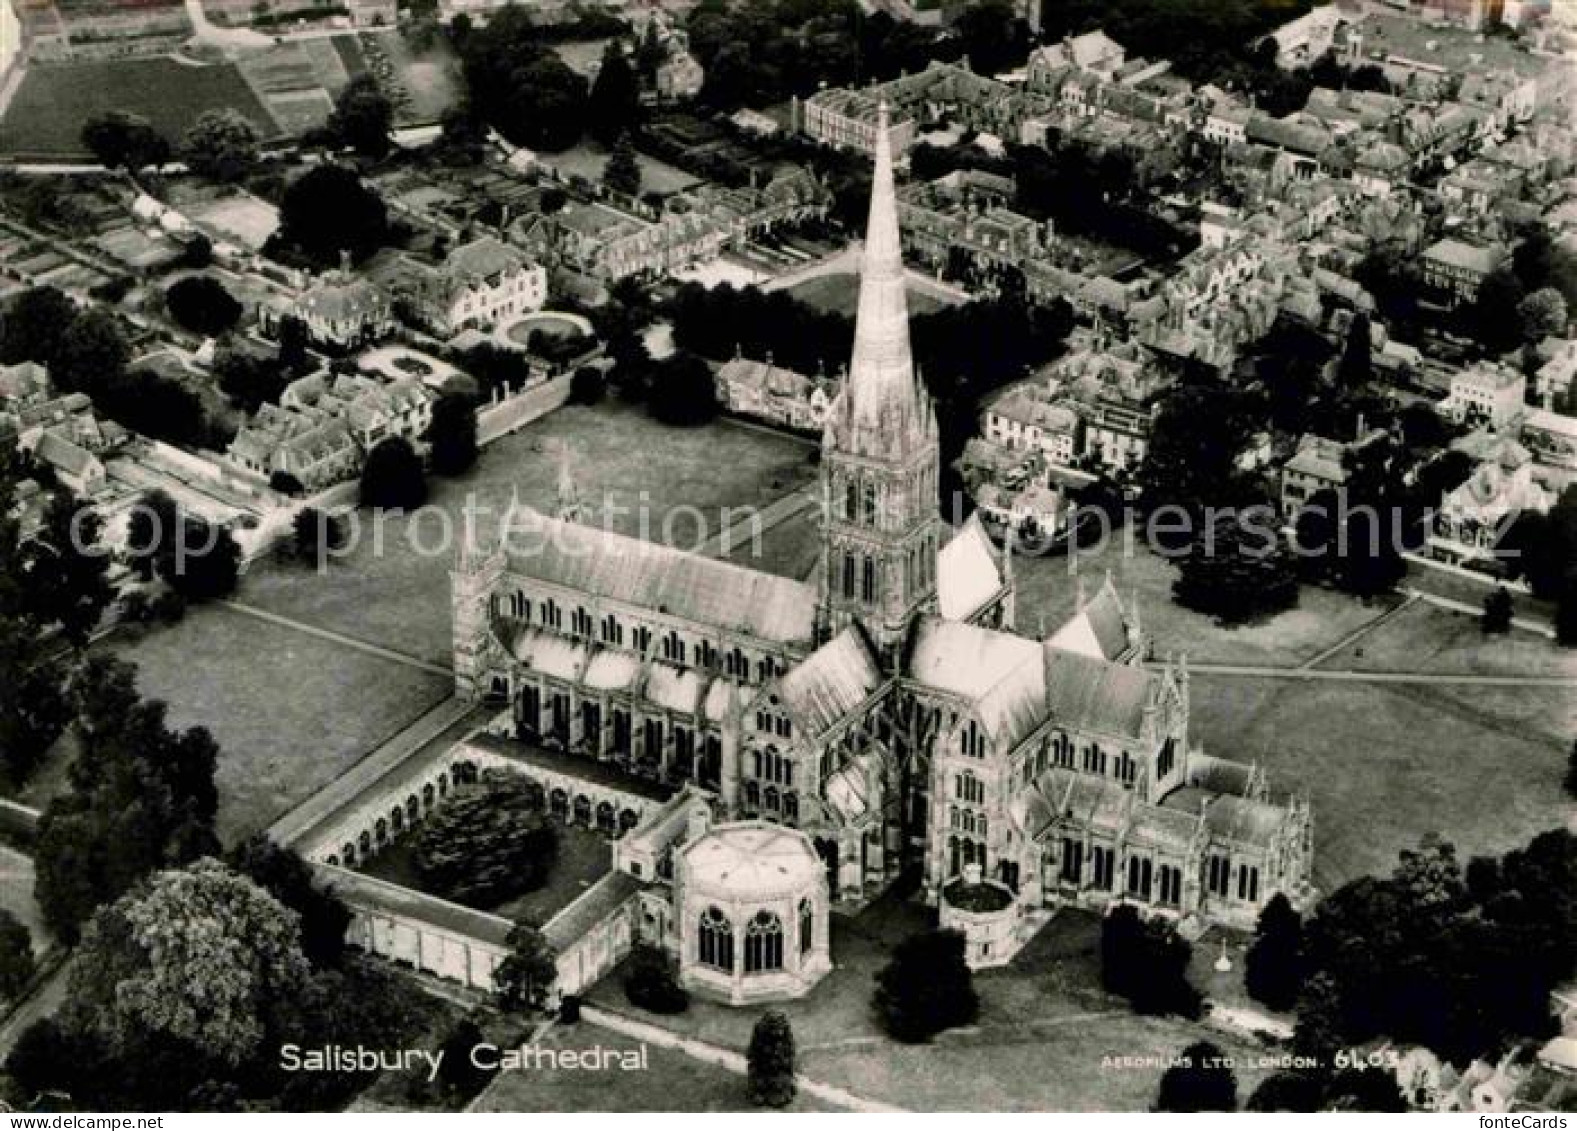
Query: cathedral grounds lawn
[[1427, 638], [584, 857], [671, 1081], [1385, 764], [284, 730], [399, 598], [1047, 590], [1044, 1026]]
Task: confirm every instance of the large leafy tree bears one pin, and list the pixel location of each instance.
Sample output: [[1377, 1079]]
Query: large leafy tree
[[198, 955], [771, 1060], [926, 987], [520, 86], [288, 878], [452, 434], [1236, 570], [1201, 1081], [328, 210], [16, 955], [142, 797], [1147, 963], [615, 95], [525, 977], [31, 325], [1273, 969], [487, 844], [203, 305], [392, 478], [222, 145], [622, 173], [363, 116], [65, 578], [122, 140]]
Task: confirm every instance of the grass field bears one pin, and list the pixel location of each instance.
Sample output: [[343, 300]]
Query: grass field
[[588, 160], [1385, 764], [399, 597], [46, 115], [1044, 1028], [1424, 637], [430, 78], [841, 294], [284, 730], [667, 1081]]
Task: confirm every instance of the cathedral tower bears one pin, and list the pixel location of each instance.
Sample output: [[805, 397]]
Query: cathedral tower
[[880, 451]]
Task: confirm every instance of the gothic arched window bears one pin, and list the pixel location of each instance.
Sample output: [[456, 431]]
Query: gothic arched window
[[716, 941], [851, 500], [868, 581], [807, 922], [764, 943], [868, 504], [848, 575]]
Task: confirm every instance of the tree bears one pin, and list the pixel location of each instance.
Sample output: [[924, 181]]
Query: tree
[[993, 36], [587, 386], [683, 390], [652, 984], [615, 96], [1273, 968], [1493, 318], [1497, 612], [293, 345], [771, 1060], [1288, 1091], [1192, 461], [622, 173], [392, 478], [1237, 570], [33, 707], [329, 210], [315, 534], [1365, 1089], [120, 140], [1202, 1081], [452, 434], [1543, 314], [202, 305], [288, 878], [519, 85], [142, 797], [362, 117], [1357, 364], [1147, 963], [487, 844], [198, 954], [31, 325], [1566, 613], [926, 987], [526, 975], [250, 379], [91, 354], [458, 1073], [16, 955], [221, 145]]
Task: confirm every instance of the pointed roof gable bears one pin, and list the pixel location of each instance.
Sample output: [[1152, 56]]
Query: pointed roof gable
[[1098, 630], [967, 575], [831, 683]]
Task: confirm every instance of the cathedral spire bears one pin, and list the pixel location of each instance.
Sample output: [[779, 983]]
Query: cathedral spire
[[884, 401]]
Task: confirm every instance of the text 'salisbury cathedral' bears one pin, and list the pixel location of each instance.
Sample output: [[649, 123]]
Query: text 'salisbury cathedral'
[[886, 707]]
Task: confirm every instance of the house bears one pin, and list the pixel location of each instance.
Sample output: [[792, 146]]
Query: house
[[477, 286], [1457, 269], [339, 310], [1319, 464], [1552, 382], [1485, 393], [74, 466], [1474, 515], [1551, 437], [776, 395]]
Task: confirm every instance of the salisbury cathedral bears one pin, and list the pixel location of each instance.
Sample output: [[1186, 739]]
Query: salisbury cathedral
[[886, 706]]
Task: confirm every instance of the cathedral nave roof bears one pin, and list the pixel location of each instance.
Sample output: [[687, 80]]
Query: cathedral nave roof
[[1098, 804], [1096, 696], [1001, 675], [602, 563], [832, 682]]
